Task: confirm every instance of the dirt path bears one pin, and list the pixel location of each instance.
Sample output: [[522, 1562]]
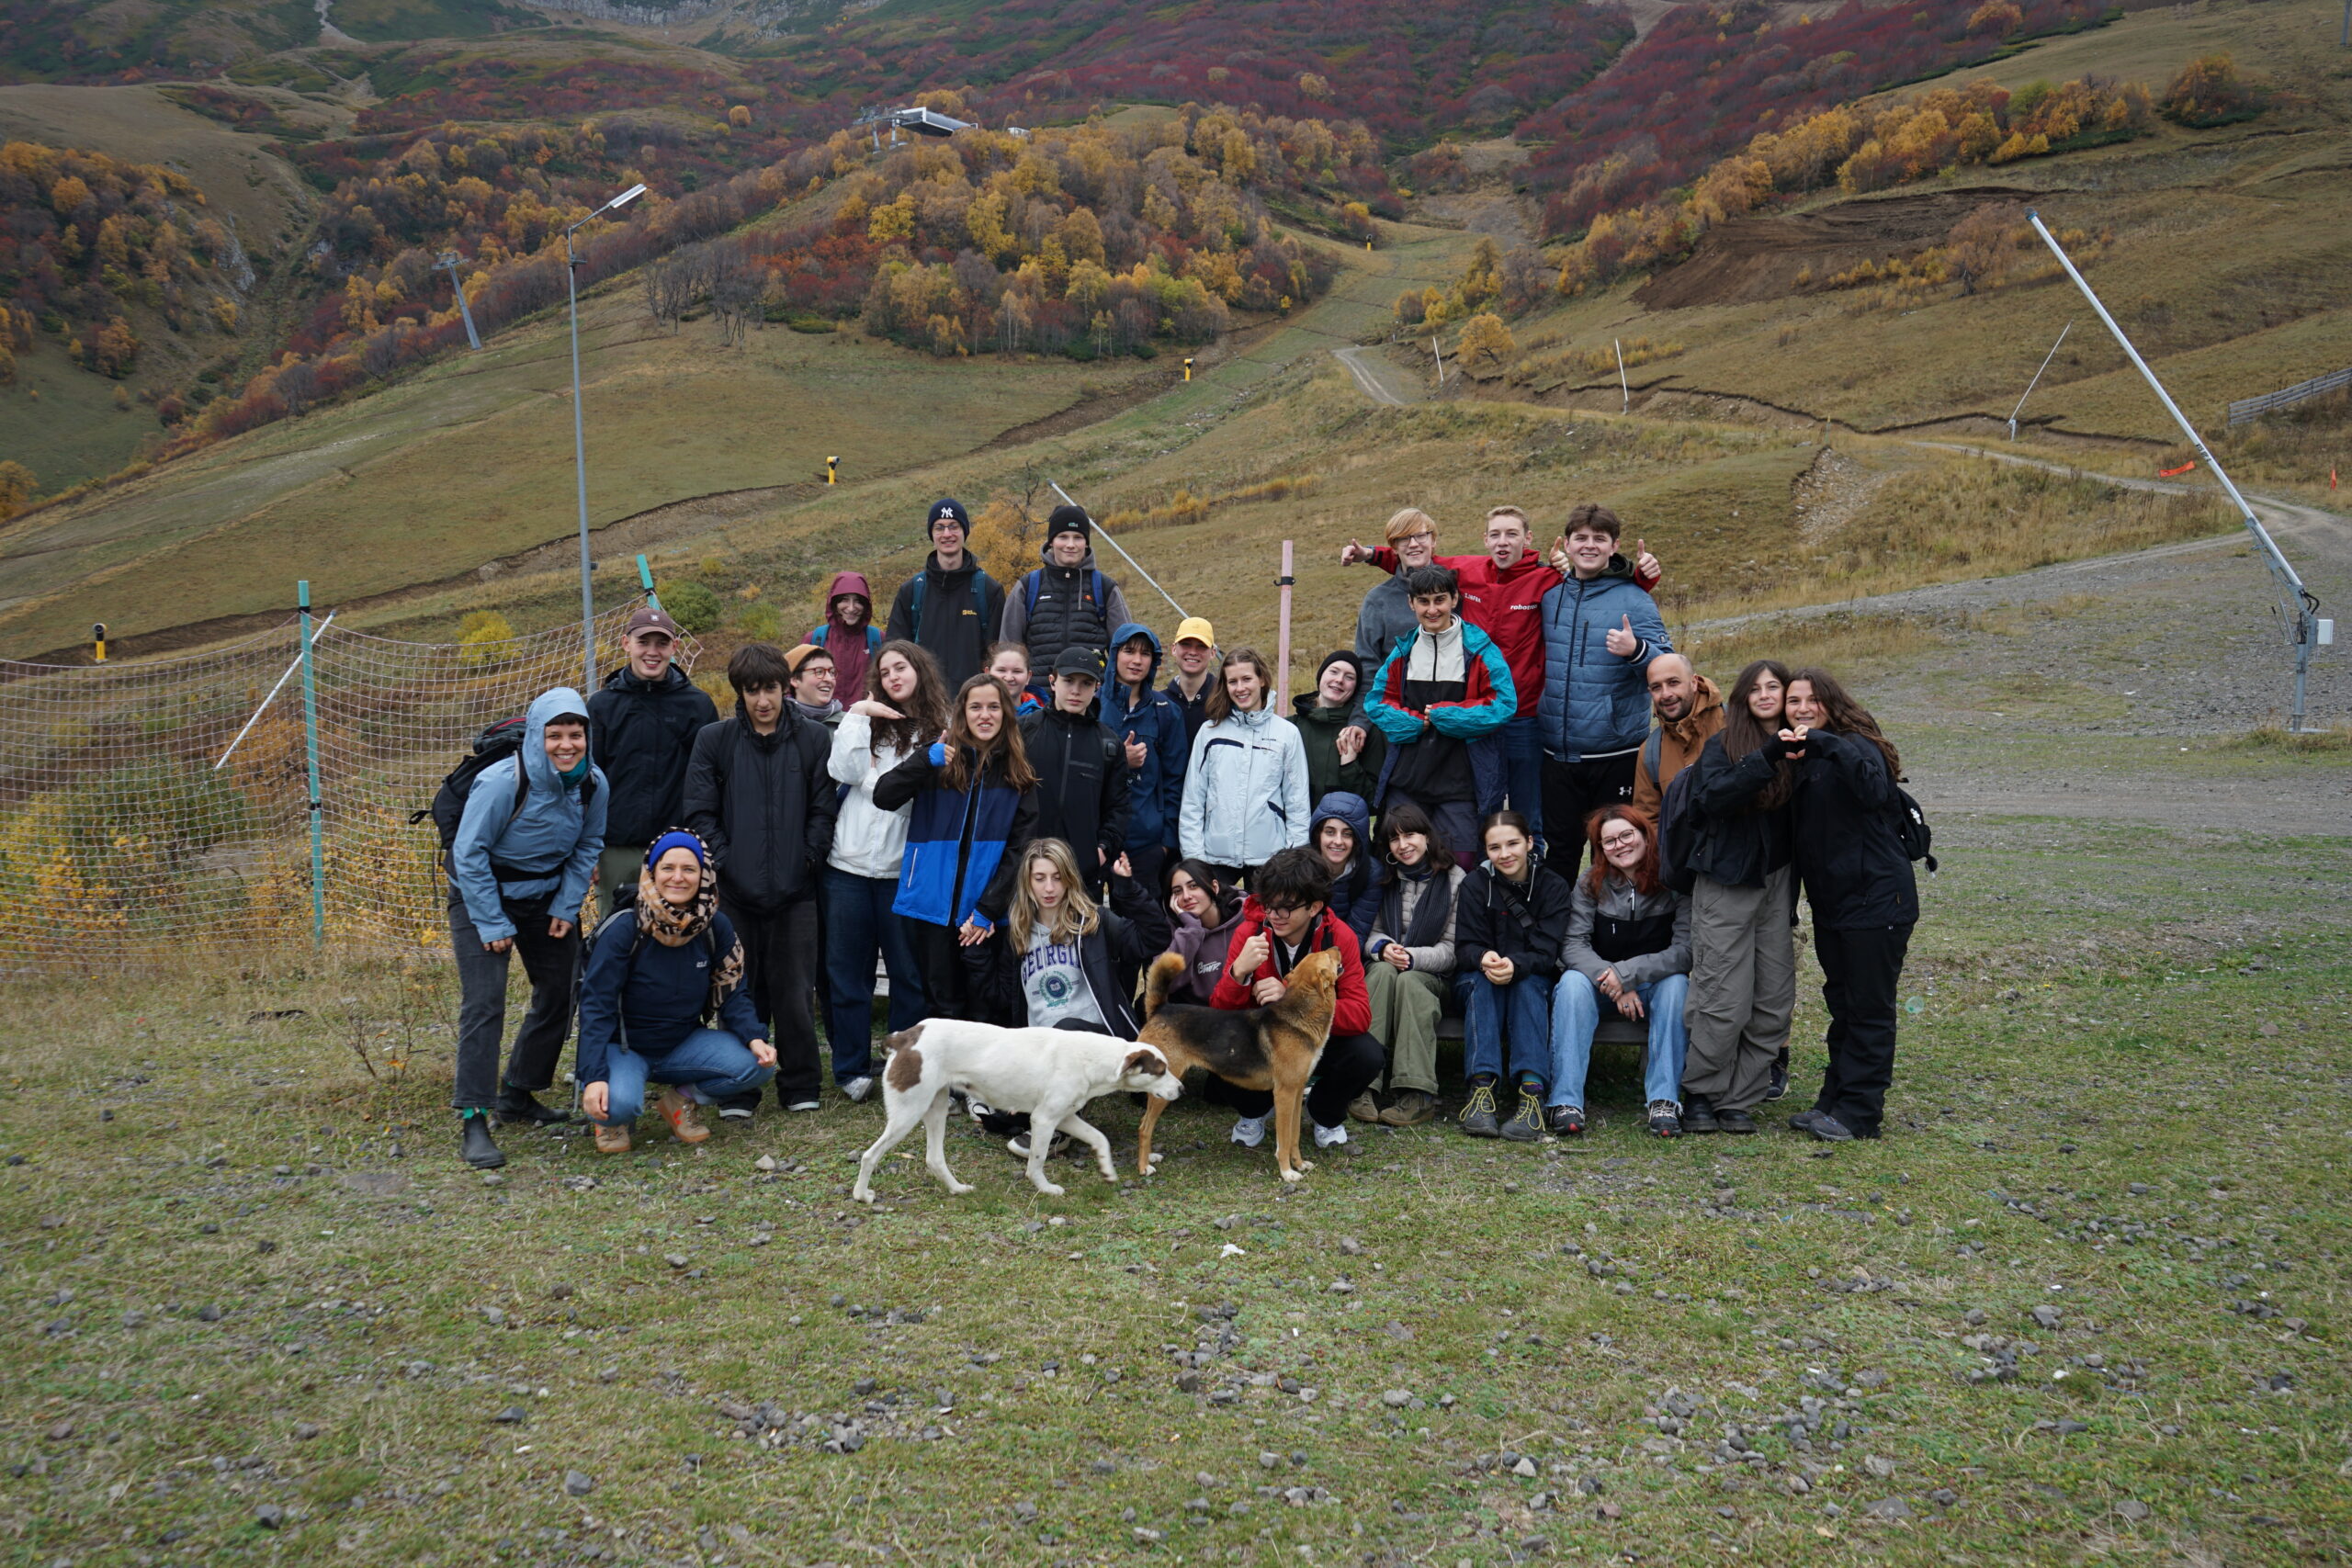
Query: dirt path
[[1367, 377]]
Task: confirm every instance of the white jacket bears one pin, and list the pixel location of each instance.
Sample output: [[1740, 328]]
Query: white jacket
[[1245, 789], [867, 840]]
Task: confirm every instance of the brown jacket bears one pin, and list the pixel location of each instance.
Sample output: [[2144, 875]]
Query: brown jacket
[[1677, 749]]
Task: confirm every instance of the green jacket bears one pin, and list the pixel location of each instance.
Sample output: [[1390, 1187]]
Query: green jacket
[[1319, 728]]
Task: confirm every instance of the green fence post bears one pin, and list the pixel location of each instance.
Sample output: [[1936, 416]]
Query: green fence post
[[645, 580], [310, 744]]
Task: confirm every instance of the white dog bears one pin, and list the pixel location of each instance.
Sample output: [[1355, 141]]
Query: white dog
[[1049, 1073]]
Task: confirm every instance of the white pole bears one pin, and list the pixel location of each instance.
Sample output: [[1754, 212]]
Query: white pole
[[1625, 391], [319, 632], [1282, 639], [2030, 386], [1105, 535], [2300, 605], [1436, 355], [580, 473]]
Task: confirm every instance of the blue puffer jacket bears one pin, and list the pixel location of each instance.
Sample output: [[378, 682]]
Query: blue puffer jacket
[[544, 849], [1596, 704], [1156, 790]]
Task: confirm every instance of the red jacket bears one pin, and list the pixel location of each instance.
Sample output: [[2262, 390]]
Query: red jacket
[[1354, 1014], [1507, 606]]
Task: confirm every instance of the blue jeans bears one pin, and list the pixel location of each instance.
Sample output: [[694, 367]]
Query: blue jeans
[[858, 923], [1511, 1021], [1577, 1007], [1523, 772], [710, 1065]]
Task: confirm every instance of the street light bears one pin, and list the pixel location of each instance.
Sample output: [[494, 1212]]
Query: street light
[[579, 440]]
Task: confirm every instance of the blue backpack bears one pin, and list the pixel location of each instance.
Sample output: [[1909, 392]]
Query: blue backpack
[[873, 635]]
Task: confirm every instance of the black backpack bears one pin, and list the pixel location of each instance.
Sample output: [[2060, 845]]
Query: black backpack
[[500, 742], [1679, 828], [1911, 830]]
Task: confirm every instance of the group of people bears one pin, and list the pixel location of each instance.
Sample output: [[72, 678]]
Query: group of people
[[994, 801]]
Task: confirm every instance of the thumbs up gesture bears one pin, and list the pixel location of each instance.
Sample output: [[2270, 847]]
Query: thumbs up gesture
[[1136, 750], [1645, 565], [1621, 638]]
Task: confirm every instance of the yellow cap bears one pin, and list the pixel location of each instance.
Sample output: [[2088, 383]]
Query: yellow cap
[[1197, 629]]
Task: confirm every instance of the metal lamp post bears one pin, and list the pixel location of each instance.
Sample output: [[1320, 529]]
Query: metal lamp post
[[579, 441]]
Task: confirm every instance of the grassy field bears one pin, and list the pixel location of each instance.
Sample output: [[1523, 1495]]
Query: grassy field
[[2083, 1302]]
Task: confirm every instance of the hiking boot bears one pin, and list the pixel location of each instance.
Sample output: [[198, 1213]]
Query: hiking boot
[[1250, 1131], [858, 1087], [1567, 1120], [517, 1106], [1697, 1116], [1330, 1137], [1526, 1124], [1479, 1118], [612, 1140], [1364, 1108], [1734, 1122], [480, 1151], [1804, 1120], [1410, 1109], [1829, 1130], [683, 1115], [1665, 1121], [1779, 1085]]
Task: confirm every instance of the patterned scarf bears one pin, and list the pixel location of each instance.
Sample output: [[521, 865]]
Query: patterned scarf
[[672, 926]]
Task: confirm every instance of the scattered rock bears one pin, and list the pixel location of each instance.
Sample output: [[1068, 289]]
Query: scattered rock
[[1889, 1508], [766, 1162], [305, 1430], [1525, 1469], [1351, 1245], [269, 1516], [1269, 1461], [675, 1259], [578, 1482], [512, 1415], [208, 1312], [560, 1293], [2132, 1508], [1880, 1467], [2047, 1316], [1609, 1511], [1397, 1398]]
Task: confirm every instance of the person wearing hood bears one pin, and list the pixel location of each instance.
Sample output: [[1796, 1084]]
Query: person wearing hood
[[1151, 733], [1601, 630], [1442, 697], [849, 633], [1081, 769], [951, 608], [759, 793], [1340, 834], [1688, 709], [1195, 676], [1245, 784], [808, 685], [519, 865], [663, 1001], [1342, 752], [1205, 910], [1066, 602], [641, 725]]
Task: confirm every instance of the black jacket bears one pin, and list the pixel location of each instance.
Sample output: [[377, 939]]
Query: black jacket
[[1081, 786], [766, 806], [1738, 842], [1133, 931], [1846, 851], [1527, 924], [960, 613], [641, 732]]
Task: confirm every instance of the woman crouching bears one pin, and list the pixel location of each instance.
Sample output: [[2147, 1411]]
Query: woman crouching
[[646, 1007]]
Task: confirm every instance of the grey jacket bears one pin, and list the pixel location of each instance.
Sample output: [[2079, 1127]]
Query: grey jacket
[[1438, 957], [1618, 901]]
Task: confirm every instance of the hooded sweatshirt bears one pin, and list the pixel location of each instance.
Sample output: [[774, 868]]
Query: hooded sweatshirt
[[1677, 747], [1245, 789], [1156, 790], [851, 647], [1355, 892], [544, 849], [1057, 607]]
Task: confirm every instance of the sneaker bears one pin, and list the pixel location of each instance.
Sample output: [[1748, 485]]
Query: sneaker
[[1250, 1131], [613, 1140], [1330, 1138], [1567, 1120], [808, 1103], [858, 1087], [735, 1110], [683, 1116], [1734, 1122], [1364, 1108], [1779, 1086], [1829, 1130], [1410, 1109], [1665, 1120], [1804, 1120], [479, 1149], [1526, 1124], [1056, 1145], [516, 1108], [978, 1107], [1479, 1118]]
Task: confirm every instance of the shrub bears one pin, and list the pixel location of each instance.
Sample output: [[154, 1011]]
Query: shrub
[[693, 606], [2208, 91]]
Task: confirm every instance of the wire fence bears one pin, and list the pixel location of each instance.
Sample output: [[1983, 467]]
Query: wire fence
[[148, 809]]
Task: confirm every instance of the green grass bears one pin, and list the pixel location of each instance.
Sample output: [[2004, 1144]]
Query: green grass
[[249, 1275]]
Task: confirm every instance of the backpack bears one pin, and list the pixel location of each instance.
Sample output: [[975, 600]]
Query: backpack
[[1034, 581], [914, 606], [873, 635], [1911, 830], [500, 742], [1679, 829], [1653, 754]]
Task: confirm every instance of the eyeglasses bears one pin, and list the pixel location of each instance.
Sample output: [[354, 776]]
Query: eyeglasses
[[1421, 539], [1619, 841], [1282, 911]]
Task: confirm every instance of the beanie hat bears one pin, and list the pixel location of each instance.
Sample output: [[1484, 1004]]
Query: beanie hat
[[1342, 656], [800, 653], [1069, 520], [676, 838], [945, 508]]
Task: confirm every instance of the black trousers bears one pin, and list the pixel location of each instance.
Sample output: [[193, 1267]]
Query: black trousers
[[1860, 971], [781, 958], [947, 987], [1349, 1064], [553, 965], [1574, 791]]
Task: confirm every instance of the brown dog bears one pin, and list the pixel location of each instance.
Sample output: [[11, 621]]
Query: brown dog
[[1270, 1048]]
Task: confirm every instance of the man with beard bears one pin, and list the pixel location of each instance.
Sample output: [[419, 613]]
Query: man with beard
[[1688, 709]]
